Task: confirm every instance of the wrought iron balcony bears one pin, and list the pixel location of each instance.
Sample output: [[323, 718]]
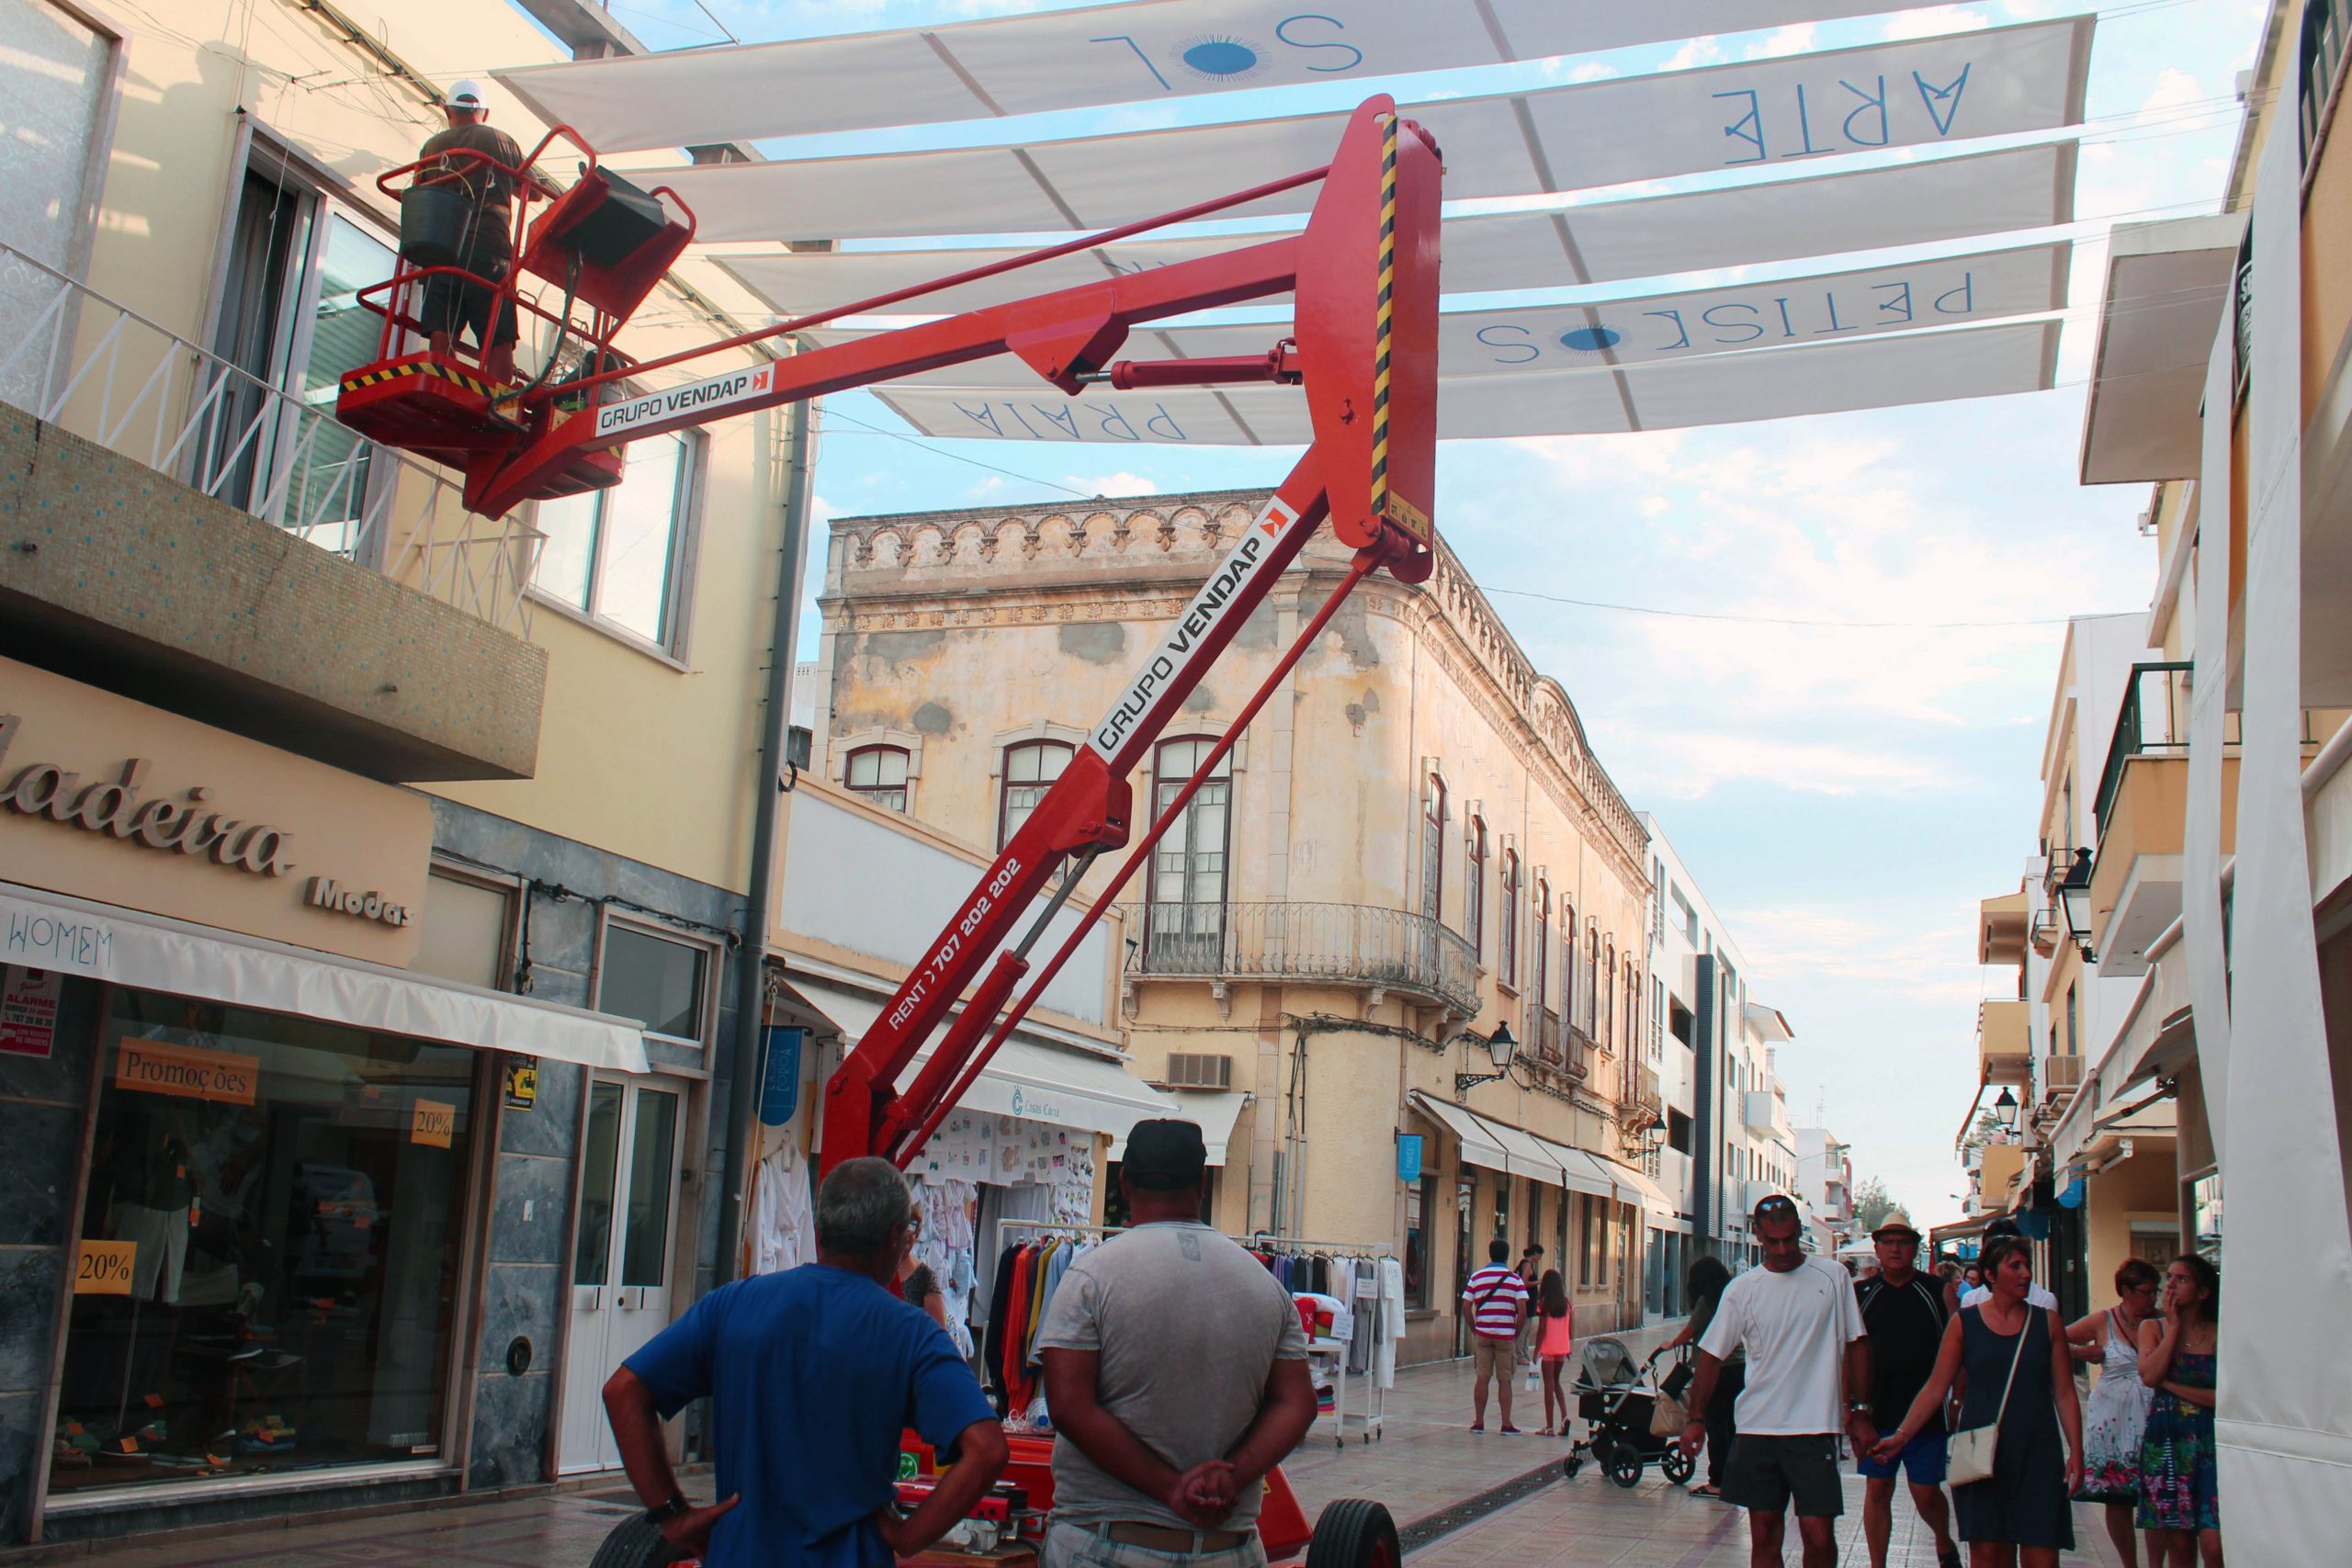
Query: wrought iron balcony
[[74, 359], [1306, 943]]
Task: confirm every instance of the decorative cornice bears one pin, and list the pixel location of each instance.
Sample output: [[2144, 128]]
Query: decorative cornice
[[1140, 561]]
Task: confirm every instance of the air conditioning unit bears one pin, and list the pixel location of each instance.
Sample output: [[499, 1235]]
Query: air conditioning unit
[[1191, 1069]]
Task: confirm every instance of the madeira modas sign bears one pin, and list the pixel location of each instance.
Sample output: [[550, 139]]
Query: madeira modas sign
[[105, 798]]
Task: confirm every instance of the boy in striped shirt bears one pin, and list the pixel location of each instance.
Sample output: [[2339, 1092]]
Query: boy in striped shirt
[[1498, 1302]]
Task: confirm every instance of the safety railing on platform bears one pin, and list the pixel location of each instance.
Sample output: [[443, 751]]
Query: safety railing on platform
[[1346, 944], [78, 361]]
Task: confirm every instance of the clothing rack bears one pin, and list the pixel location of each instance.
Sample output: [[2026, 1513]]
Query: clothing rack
[[1060, 1227], [1369, 1419]]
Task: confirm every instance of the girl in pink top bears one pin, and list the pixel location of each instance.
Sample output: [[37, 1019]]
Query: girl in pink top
[[1555, 1318]]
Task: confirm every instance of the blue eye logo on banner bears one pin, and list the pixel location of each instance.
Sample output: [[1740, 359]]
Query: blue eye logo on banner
[[1409, 1158], [780, 1076]]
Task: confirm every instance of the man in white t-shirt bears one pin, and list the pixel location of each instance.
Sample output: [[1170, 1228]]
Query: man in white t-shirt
[[1808, 1379]]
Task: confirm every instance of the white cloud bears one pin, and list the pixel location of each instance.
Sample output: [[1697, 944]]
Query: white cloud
[[1121, 483], [1592, 71], [1934, 21], [1794, 39]]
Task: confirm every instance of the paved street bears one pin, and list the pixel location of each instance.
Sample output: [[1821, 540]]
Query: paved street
[[1425, 1462]]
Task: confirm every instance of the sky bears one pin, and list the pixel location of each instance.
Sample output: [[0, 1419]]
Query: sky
[[1844, 793]]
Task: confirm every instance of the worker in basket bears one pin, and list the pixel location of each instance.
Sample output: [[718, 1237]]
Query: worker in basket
[[484, 244]]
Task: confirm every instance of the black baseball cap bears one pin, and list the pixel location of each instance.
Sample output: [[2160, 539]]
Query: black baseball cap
[[1165, 1156]]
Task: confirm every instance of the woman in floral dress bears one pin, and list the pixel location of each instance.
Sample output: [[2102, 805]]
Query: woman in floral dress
[[2116, 1416], [2179, 1497]]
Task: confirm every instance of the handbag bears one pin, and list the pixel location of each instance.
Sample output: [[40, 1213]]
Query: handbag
[[1971, 1453], [1669, 1416]]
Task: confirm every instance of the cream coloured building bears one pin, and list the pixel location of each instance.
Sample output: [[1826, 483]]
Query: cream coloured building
[[1411, 846], [523, 751]]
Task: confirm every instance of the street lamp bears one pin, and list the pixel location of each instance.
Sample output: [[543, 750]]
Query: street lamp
[[2075, 898], [2006, 1107], [1500, 1048]]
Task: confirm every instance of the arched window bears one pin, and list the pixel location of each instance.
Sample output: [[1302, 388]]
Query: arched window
[[1186, 917], [1029, 770], [1433, 849], [1543, 940], [1474, 892], [880, 773], [1510, 920]]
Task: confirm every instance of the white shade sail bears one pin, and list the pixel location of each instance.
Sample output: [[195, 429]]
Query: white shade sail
[[48, 931], [1144, 52], [1531, 340], [1751, 114], [1213, 1111], [1715, 389], [1905, 204]]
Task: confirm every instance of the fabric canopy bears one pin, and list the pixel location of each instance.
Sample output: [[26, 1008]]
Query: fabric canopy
[[1104, 54], [1497, 1145], [1530, 340], [1213, 1111], [1719, 389], [48, 931], [1028, 1076], [1905, 204], [1749, 115]]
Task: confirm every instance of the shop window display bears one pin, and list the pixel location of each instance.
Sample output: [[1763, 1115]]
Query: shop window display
[[269, 1248]]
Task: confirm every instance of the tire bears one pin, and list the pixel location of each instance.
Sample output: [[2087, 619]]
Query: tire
[[1626, 1465], [1571, 1465], [633, 1543], [1354, 1532], [1677, 1465]]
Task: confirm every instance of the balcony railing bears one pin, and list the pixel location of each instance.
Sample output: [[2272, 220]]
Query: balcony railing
[[2153, 721], [77, 360], [1550, 1041], [1332, 944]]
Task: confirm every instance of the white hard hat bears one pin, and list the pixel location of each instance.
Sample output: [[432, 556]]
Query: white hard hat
[[465, 96]]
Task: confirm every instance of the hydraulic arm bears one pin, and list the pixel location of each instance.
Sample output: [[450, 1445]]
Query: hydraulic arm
[[1364, 275]]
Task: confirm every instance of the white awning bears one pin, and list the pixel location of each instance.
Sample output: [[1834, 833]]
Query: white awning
[[1212, 1110], [1914, 92], [48, 931], [1931, 200], [1146, 49], [1635, 1187], [1029, 1077], [1497, 1145], [1480, 1147], [1716, 388]]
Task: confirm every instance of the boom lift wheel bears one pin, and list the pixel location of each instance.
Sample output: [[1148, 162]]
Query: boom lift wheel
[[635, 1543], [1354, 1532]]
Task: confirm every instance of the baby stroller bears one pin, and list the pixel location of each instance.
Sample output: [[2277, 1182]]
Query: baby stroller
[[1617, 1397]]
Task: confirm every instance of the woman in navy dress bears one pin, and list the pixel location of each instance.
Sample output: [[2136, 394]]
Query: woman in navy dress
[[2021, 1515]]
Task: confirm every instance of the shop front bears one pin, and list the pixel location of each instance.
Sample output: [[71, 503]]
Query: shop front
[[253, 1154]]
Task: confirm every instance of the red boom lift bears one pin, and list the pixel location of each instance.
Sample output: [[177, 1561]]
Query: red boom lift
[[1366, 279]]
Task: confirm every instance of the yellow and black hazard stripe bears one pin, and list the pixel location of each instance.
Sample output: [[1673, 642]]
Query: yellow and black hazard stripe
[[355, 381], [1383, 314]]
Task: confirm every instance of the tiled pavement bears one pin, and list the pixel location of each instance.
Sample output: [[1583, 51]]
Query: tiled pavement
[[1425, 1461]]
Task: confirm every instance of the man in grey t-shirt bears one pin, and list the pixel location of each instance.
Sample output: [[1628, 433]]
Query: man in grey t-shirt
[[1176, 1374]]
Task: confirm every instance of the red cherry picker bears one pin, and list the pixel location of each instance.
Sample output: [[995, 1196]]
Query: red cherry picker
[[1364, 349]]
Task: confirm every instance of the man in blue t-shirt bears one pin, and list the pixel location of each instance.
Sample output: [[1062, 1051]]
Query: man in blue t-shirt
[[812, 1375]]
